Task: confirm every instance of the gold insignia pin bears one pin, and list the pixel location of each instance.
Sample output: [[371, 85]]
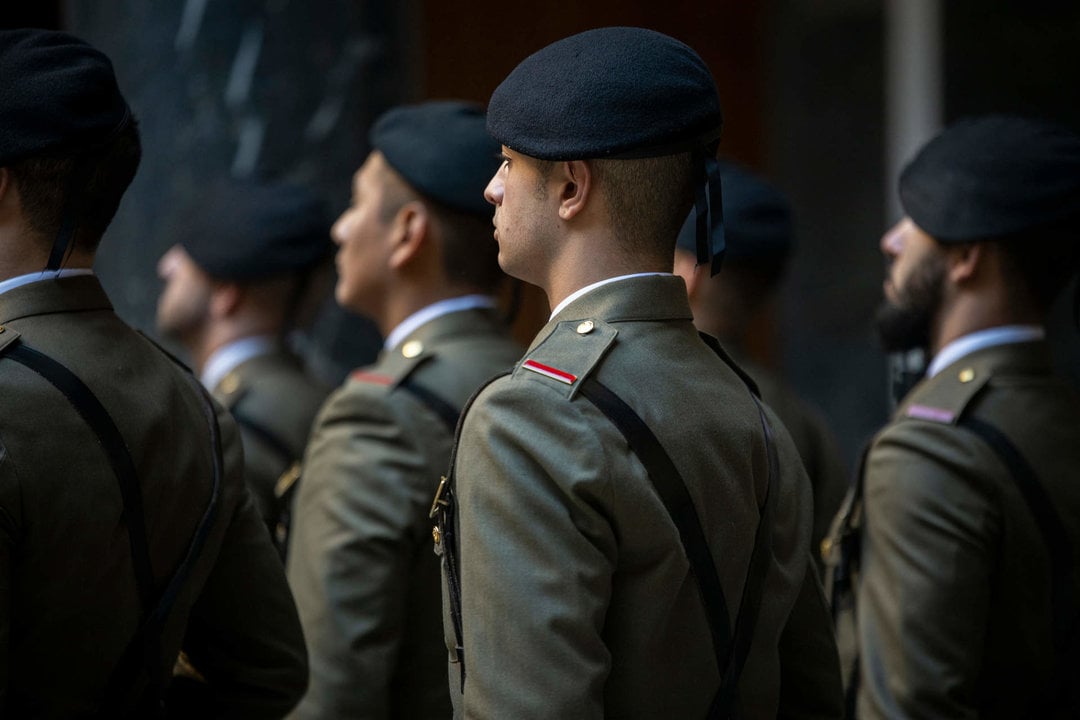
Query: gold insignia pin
[[230, 383], [967, 375], [412, 348]]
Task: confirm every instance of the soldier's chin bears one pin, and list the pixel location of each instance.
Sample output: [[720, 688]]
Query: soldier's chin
[[902, 328]]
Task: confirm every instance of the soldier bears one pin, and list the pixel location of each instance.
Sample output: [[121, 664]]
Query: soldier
[[621, 501], [416, 256], [963, 531], [244, 258], [759, 239], [126, 531]]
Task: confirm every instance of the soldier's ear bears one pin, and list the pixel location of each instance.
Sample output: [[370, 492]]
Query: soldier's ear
[[575, 187], [964, 261], [225, 298], [412, 229]]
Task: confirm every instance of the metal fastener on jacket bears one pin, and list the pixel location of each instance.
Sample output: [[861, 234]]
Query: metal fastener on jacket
[[435, 534], [230, 383], [967, 375], [412, 348], [585, 328]]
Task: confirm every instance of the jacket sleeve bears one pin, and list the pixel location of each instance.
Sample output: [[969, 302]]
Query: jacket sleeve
[[243, 633], [810, 685], [353, 542], [537, 558], [926, 564]]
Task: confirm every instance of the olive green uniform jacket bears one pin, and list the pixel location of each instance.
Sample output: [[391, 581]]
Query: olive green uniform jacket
[[274, 402], [68, 599], [360, 556], [816, 445], [953, 605], [577, 596]]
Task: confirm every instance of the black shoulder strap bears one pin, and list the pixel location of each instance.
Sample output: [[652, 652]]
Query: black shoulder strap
[[1055, 538], [730, 649], [143, 652], [99, 421], [445, 530], [443, 409]]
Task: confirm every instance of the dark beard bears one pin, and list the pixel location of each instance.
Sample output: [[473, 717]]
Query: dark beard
[[906, 324]]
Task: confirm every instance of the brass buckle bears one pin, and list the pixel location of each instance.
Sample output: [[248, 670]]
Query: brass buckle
[[439, 499]]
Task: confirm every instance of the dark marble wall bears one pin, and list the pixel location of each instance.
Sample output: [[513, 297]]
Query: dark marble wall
[[824, 119], [278, 89]]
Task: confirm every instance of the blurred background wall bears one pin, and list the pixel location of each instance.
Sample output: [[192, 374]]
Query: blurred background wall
[[826, 99]]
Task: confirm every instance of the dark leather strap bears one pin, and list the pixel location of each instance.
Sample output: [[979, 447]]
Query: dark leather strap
[[143, 653], [443, 409], [753, 588], [1055, 538], [443, 513], [95, 416], [731, 649], [669, 485]]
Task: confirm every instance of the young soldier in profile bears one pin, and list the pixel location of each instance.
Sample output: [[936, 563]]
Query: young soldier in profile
[[621, 501], [415, 254], [126, 532], [959, 544], [244, 257]]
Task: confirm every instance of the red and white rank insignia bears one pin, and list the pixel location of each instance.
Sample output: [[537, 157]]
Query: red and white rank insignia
[[548, 371]]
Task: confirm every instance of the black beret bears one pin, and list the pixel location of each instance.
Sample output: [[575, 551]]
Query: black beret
[[757, 218], [609, 92], [244, 231], [57, 94], [442, 149], [993, 175]]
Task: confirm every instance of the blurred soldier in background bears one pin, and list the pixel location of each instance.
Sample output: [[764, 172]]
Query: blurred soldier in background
[[244, 258], [759, 239], [416, 255], [126, 532], [959, 544]]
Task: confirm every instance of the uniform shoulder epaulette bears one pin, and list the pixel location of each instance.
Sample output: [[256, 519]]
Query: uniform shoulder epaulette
[[393, 366], [568, 354], [948, 395], [7, 336]]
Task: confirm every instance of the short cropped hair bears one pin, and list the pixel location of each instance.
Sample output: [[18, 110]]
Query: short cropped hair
[[44, 182], [470, 253], [648, 200]]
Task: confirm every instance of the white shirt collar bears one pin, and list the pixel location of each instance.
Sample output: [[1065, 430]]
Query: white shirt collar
[[227, 357], [589, 288], [20, 280], [444, 307], [967, 344]]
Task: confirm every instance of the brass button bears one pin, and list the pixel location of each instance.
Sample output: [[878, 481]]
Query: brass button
[[435, 534], [412, 348], [230, 383], [967, 375], [1, 328], [585, 328]]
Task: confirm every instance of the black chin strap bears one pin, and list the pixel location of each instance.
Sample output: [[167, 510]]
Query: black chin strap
[[709, 213]]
